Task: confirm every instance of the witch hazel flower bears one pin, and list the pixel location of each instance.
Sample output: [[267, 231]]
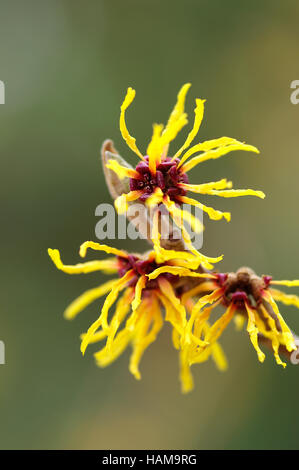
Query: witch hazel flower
[[247, 298], [145, 294], [161, 178]]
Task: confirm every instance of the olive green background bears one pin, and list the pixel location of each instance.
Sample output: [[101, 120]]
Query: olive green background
[[66, 66]]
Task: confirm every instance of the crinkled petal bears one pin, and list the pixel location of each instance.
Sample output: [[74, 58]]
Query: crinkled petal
[[131, 141], [214, 154], [99, 247], [108, 266], [87, 298]]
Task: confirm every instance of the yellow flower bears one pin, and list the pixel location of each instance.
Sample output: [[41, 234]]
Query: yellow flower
[[146, 288], [246, 297], [162, 179]]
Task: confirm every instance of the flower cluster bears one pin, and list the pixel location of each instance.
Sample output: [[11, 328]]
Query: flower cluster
[[179, 287]]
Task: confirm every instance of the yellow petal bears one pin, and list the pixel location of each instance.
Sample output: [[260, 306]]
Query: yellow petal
[[178, 271], [208, 145], [274, 336], [87, 298], [219, 357], [122, 123], [285, 298], [98, 336], [200, 304], [121, 203], [176, 216], [199, 110], [205, 187], [109, 266], [154, 149], [202, 287], [121, 171], [140, 285], [185, 372], [167, 290], [213, 154], [253, 332], [122, 308], [110, 299], [104, 357], [145, 337], [236, 193], [287, 335], [219, 326], [179, 108], [155, 198], [212, 213], [99, 247], [239, 321], [286, 283]]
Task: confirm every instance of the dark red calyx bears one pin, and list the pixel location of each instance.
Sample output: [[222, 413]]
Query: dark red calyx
[[239, 298], [168, 177], [267, 280], [221, 278], [141, 267]]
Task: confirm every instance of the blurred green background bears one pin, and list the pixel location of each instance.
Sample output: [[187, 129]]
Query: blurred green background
[[66, 66]]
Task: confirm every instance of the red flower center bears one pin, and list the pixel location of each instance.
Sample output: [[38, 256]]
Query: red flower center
[[141, 267], [167, 178]]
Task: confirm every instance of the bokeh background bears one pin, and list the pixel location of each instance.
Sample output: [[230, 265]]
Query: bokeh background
[[66, 66]]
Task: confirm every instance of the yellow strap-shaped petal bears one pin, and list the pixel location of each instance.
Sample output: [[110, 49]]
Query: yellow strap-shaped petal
[[121, 203], [179, 107], [285, 298], [287, 335], [145, 336], [236, 193], [205, 187], [122, 171], [219, 326], [253, 332], [214, 154], [104, 357], [167, 290], [208, 145], [154, 150], [186, 378], [122, 123], [178, 271], [200, 304], [274, 335], [197, 290], [177, 218], [212, 213], [294, 283], [109, 265], [155, 198], [98, 336], [219, 357], [99, 247], [103, 318], [199, 110], [87, 298], [122, 308], [175, 319], [140, 285], [163, 255]]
